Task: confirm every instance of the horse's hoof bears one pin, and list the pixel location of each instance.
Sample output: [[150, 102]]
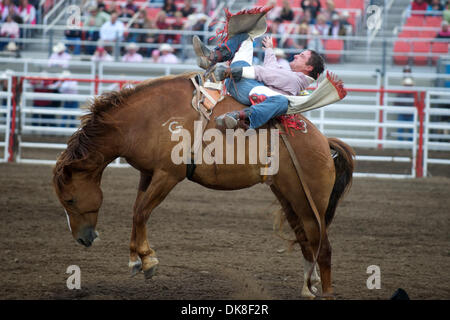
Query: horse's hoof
[[308, 294], [135, 266], [150, 273], [328, 296]]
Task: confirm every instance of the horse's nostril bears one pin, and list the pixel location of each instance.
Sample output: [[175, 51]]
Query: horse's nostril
[[80, 241]]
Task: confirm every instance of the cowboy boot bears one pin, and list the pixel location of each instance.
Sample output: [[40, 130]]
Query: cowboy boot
[[234, 119], [223, 72], [206, 57]]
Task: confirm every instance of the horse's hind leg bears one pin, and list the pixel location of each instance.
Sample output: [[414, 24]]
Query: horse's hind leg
[[308, 255], [160, 185], [324, 261], [321, 190]]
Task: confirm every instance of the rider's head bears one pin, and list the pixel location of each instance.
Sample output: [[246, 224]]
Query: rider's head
[[308, 62]]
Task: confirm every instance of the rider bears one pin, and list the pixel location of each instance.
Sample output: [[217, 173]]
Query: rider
[[260, 87]]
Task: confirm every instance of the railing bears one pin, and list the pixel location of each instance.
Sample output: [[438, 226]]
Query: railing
[[408, 13], [5, 116], [185, 47], [356, 120], [437, 127], [53, 16], [43, 121], [362, 133]]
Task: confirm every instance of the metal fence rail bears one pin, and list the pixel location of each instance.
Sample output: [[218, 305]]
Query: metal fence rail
[[358, 127], [5, 116], [437, 126], [366, 112], [365, 53]]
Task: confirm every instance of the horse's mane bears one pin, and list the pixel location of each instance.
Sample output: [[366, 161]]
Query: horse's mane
[[83, 144]]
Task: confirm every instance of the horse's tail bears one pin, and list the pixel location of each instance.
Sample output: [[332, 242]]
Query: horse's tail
[[344, 164]]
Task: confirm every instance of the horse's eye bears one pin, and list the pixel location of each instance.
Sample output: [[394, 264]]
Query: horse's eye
[[70, 202]]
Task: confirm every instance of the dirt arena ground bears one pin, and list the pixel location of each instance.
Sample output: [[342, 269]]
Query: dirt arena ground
[[220, 245]]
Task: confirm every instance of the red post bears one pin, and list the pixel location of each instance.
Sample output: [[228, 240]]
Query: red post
[[96, 85], [13, 119], [380, 129], [420, 110]]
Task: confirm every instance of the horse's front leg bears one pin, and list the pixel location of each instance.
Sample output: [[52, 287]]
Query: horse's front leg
[[135, 263], [160, 186]]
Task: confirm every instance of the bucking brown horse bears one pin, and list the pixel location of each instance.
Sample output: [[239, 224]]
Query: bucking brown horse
[[137, 123]]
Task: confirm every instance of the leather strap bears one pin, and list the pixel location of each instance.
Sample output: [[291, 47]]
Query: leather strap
[[301, 175], [204, 117]]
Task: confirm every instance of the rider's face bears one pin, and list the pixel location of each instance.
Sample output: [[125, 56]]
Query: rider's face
[[300, 62]]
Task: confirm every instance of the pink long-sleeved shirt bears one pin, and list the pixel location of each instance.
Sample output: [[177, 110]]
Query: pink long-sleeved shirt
[[284, 81]]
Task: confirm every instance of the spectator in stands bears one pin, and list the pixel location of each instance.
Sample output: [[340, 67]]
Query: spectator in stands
[[178, 24], [435, 5], [99, 17], [281, 58], [275, 12], [330, 10], [130, 8], [313, 6], [275, 26], [445, 32], [143, 18], [446, 13], [134, 36], [112, 30], [315, 43], [67, 87], [7, 7], [286, 14], [102, 6], [122, 14], [167, 55], [13, 50], [306, 18], [200, 25], [418, 5], [132, 55], [344, 16], [91, 34], [27, 12], [169, 8], [74, 36], [187, 9], [150, 36], [44, 85], [407, 82], [59, 57], [161, 24], [321, 27], [302, 43], [9, 29], [407, 72], [156, 56], [101, 55], [336, 29]]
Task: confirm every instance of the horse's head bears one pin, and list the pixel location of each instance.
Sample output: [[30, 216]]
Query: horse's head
[[80, 194]]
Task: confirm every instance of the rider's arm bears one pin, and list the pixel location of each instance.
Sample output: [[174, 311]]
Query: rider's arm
[[270, 59]]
